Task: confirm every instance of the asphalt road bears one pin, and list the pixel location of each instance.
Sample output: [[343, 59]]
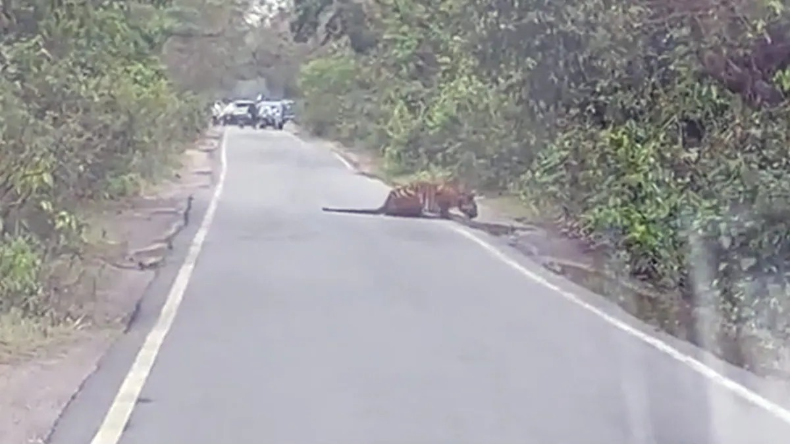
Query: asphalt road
[[304, 327]]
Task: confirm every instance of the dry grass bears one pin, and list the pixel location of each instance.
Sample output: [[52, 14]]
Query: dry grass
[[513, 207], [23, 337], [78, 279]]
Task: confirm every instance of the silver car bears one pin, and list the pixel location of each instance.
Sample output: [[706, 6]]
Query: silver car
[[270, 113]]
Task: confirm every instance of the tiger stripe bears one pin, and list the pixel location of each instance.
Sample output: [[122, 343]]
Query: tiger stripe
[[419, 198]]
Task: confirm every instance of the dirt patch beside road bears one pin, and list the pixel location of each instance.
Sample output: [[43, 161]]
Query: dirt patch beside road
[[40, 372]]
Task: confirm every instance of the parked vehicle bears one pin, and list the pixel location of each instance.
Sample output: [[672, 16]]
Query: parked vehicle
[[270, 114], [289, 114], [241, 113]]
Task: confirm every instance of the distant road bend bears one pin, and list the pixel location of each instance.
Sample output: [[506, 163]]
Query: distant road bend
[[296, 326]]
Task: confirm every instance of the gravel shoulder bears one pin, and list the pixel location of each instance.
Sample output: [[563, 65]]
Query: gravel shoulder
[[133, 237]]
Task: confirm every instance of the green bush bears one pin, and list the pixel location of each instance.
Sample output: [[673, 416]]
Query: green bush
[[658, 130], [88, 112]]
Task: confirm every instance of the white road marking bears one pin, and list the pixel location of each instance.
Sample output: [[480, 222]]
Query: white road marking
[[118, 415], [348, 164], [121, 409], [734, 387], [694, 364]]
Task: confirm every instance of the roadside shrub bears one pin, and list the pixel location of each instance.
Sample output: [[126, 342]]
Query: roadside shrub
[[659, 130], [88, 113]]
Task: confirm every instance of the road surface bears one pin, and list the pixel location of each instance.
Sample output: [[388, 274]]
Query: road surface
[[304, 327]]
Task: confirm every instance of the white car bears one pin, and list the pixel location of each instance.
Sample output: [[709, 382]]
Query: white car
[[270, 114], [238, 113]]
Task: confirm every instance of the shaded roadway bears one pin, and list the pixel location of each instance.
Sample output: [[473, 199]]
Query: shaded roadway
[[303, 327]]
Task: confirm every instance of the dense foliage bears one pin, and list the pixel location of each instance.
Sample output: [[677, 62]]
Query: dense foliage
[[88, 112], [658, 128]]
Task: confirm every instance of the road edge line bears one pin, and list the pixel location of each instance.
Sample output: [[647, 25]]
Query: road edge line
[[345, 162], [694, 364], [114, 423]]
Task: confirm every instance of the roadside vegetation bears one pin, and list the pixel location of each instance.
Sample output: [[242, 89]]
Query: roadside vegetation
[[656, 131], [97, 100]]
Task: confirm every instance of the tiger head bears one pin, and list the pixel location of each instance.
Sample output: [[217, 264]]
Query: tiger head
[[467, 204]]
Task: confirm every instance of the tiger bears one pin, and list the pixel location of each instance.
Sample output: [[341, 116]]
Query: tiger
[[419, 198]]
